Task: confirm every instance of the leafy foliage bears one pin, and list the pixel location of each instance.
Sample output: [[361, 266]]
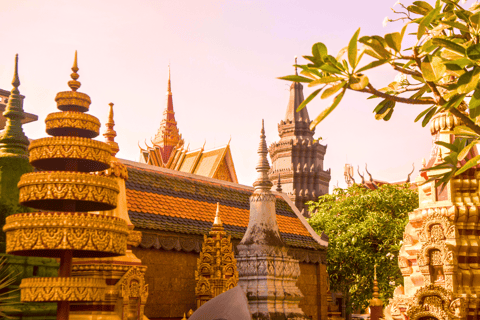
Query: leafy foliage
[[7, 296], [365, 227], [441, 70]]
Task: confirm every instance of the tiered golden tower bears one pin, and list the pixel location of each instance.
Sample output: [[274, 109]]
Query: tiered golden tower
[[65, 188], [216, 267]]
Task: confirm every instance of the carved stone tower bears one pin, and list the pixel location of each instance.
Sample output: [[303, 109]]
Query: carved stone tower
[[439, 257], [267, 274], [216, 268], [167, 136], [297, 157]]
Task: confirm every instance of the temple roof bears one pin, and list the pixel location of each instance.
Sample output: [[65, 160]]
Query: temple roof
[[160, 199], [216, 163]]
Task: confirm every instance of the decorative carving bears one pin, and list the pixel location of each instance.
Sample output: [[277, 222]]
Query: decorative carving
[[61, 289], [134, 292], [216, 268], [41, 150], [436, 302], [46, 233], [73, 120], [37, 187], [257, 197], [68, 99]]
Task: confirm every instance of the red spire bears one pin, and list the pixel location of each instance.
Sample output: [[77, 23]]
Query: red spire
[[167, 136]]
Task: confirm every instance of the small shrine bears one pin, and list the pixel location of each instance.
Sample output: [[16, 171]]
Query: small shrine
[[65, 189], [216, 268], [439, 255]]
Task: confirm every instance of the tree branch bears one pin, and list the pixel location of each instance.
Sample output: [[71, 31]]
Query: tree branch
[[372, 90], [466, 120], [406, 71]]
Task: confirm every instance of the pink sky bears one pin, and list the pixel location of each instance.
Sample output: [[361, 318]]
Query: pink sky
[[225, 57]]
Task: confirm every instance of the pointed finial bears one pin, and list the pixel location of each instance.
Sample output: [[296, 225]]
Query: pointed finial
[[279, 184], [110, 134], [74, 84], [169, 87], [217, 221], [296, 73], [375, 302], [184, 316], [16, 80], [262, 182], [375, 272]]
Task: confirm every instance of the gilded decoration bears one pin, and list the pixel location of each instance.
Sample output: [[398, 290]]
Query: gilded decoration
[[436, 302], [73, 120], [69, 148], [134, 292], [50, 232], [216, 268], [61, 289], [73, 101], [37, 187]]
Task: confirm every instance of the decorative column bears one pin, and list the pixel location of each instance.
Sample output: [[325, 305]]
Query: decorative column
[[66, 190], [267, 274], [124, 275], [376, 305], [216, 268]]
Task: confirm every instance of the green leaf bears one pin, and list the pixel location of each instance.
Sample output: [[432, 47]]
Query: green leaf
[[468, 81], [319, 50], [474, 104], [470, 163], [464, 152], [455, 24], [462, 62], [424, 5], [428, 116], [330, 68], [372, 64], [423, 113], [296, 79], [383, 109], [432, 68], [394, 41], [333, 89], [473, 52], [449, 45], [447, 145], [463, 15], [454, 102], [352, 50], [358, 82], [388, 115], [328, 110], [475, 20], [309, 98], [417, 10], [376, 44], [425, 22], [323, 80]]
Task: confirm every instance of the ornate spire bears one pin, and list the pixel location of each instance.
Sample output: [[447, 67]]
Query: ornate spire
[[279, 184], [217, 221], [375, 302], [110, 134], [169, 87], [13, 141], [74, 84], [296, 72], [262, 183]]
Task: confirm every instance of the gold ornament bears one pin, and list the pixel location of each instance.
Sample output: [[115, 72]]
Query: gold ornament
[[95, 155], [47, 233], [89, 192], [61, 289], [71, 121]]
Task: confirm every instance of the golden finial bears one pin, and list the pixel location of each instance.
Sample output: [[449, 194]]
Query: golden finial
[[279, 184], [169, 87], [110, 134], [262, 182], [184, 316], [296, 66], [189, 313], [217, 221], [74, 84], [375, 301], [16, 80]]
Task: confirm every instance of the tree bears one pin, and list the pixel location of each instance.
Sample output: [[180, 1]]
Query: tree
[[441, 71], [365, 227]]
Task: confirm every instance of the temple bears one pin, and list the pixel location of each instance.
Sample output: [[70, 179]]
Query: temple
[[297, 158], [168, 150]]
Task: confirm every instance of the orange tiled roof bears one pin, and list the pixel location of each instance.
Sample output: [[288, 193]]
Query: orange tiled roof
[[166, 200]]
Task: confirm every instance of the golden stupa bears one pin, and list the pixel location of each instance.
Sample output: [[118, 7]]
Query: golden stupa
[[64, 186]]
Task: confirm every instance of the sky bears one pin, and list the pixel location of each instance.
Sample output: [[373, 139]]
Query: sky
[[225, 57]]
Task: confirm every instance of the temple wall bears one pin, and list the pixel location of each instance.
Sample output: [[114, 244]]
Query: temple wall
[[171, 284]]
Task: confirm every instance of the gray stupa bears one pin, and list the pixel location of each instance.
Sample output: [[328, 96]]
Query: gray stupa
[[267, 287]]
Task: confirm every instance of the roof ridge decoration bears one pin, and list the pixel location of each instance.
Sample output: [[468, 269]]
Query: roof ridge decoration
[[13, 141], [216, 267]]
